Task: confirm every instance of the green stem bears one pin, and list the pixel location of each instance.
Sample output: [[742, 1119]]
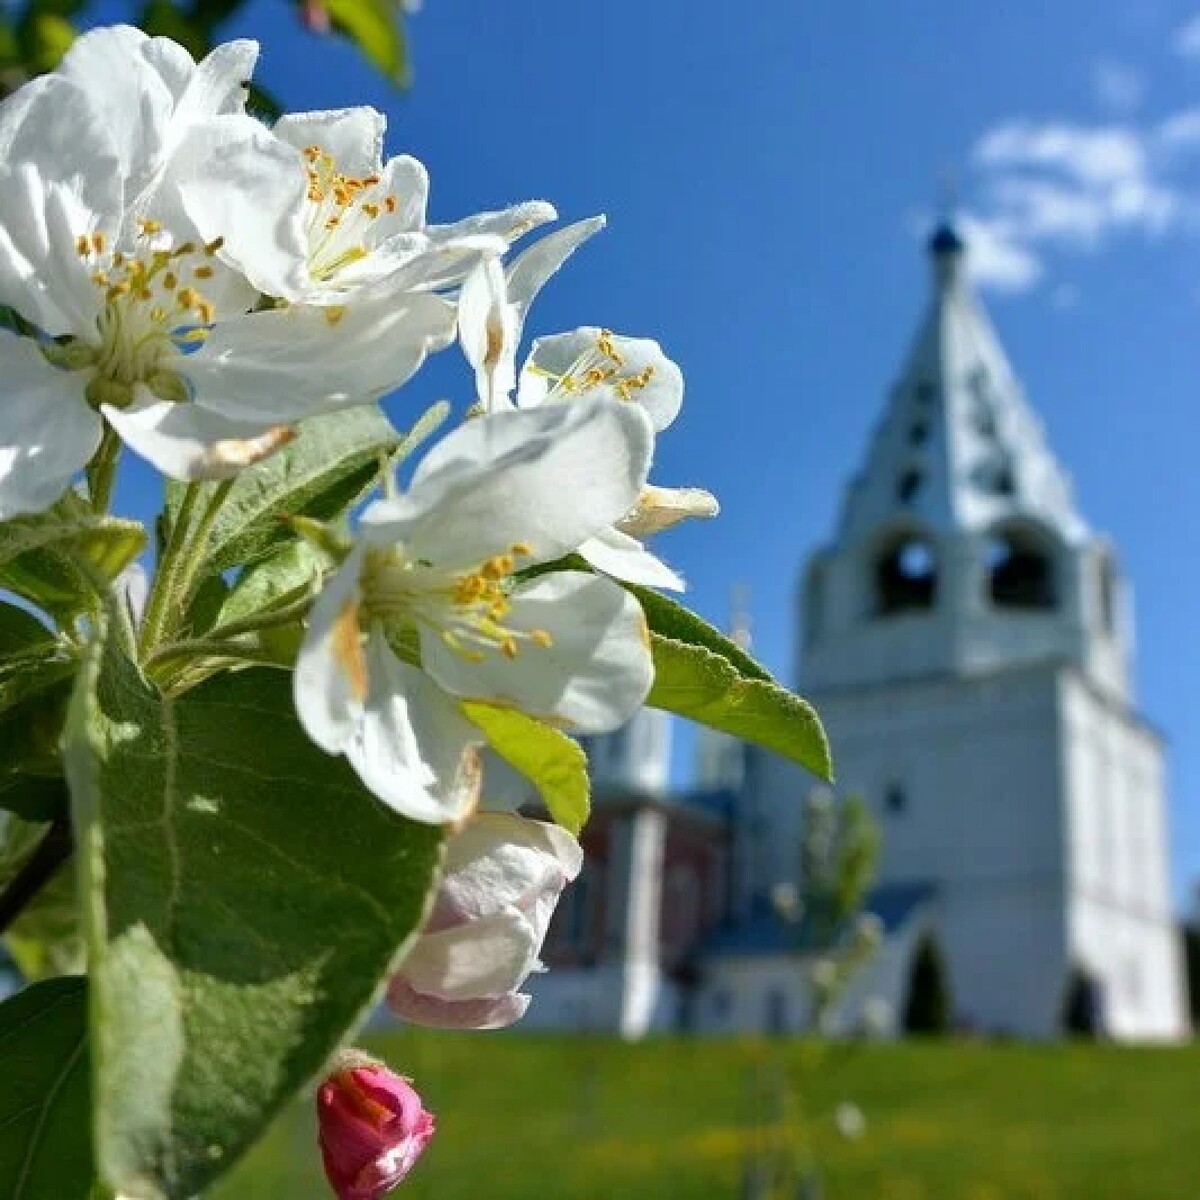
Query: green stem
[[196, 550], [102, 471], [162, 589]]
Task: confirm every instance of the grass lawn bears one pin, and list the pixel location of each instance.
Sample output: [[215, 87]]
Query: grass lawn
[[538, 1118]]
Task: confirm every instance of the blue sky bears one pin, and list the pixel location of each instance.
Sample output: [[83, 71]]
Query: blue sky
[[768, 171]]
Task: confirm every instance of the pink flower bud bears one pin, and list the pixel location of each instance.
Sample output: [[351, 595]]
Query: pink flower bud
[[314, 16], [373, 1127]]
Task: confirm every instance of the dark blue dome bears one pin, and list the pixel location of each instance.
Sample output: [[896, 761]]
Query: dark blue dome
[[945, 240]]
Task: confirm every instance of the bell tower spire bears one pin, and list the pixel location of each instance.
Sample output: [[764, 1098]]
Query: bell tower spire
[[959, 547]]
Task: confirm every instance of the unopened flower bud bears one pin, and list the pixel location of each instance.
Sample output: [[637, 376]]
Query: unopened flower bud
[[315, 16], [372, 1127]]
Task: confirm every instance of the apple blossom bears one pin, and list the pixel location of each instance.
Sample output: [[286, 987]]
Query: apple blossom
[[130, 319], [493, 304], [596, 362], [503, 877], [435, 567], [372, 1127]]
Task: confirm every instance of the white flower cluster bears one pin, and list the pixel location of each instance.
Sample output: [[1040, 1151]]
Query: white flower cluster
[[178, 275]]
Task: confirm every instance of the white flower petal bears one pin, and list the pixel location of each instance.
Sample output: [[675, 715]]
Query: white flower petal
[[47, 432], [505, 479], [592, 678], [289, 363], [509, 223], [412, 747], [50, 124], [188, 442], [501, 860], [660, 508], [483, 1012], [617, 554], [564, 354], [329, 685], [488, 956], [132, 99], [352, 136], [237, 182], [405, 178], [215, 86], [529, 271], [488, 331]]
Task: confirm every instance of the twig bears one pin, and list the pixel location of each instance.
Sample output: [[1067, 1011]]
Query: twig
[[52, 851]]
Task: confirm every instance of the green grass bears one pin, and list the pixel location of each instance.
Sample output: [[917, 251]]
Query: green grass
[[536, 1118]]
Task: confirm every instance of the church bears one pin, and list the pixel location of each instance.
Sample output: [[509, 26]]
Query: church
[[967, 640]]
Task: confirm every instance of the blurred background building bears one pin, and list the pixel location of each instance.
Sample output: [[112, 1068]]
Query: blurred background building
[[967, 640]]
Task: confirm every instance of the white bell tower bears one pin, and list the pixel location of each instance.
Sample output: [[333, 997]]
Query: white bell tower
[[967, 640]]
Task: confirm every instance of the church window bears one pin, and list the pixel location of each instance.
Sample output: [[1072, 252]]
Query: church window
[[994, 477], [1020, 570], [984, 420], [924, 392], [919, 433], [909, 486], [895, 800], [905, 576], [977, 381]]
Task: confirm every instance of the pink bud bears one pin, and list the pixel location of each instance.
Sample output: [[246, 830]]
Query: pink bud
[[373, 1127], [314, 16]]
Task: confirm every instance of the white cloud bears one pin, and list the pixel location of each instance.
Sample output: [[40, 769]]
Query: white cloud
[[1052, 185], [1118, 86], [1187, 38], [1096, 155], [996, 258]]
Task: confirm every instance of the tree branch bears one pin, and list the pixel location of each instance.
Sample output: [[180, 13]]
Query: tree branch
[[52, 851]]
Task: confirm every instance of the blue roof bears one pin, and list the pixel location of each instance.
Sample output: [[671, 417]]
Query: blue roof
[[766, 933]]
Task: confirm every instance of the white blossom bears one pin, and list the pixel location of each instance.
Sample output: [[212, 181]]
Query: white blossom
[[436, 567], [129, 312], [503, 878]]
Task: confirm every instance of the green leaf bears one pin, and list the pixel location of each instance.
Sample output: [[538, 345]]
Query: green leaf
[[696, 682], [554, 763], [273, 583], [328, 469], [45, 1151], [243, 897], [375, 27], [21, 632], [55, 559], [670, 619]]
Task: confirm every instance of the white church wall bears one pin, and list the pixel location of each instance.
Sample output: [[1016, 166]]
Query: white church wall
[[1123, 931], [964, 779]]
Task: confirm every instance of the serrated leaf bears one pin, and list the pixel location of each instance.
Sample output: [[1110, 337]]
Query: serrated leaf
[[54, 559], [672, 620], [554, 763], [322, 474], [696, 682], [45, 1151], [243, 896], [375, 27]]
